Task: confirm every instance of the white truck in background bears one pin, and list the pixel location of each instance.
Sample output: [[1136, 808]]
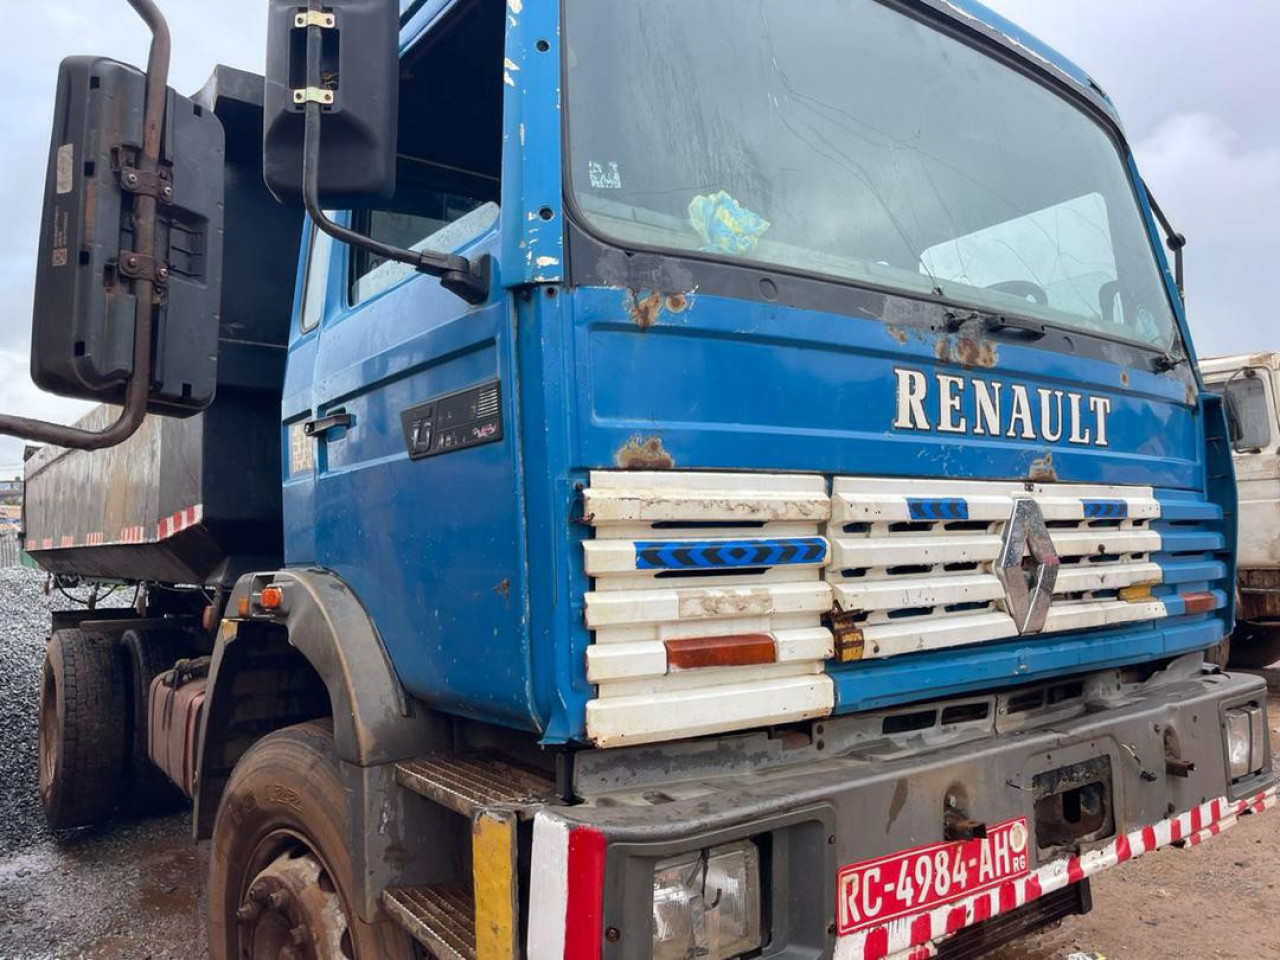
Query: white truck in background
[[1251, 384]]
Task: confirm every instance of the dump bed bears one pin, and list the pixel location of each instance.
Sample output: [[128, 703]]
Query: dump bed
[[194, 500]]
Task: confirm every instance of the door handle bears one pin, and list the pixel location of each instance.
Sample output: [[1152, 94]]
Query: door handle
[[322, 425]]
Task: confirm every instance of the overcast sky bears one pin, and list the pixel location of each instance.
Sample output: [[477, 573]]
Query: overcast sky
[[1197, 87]]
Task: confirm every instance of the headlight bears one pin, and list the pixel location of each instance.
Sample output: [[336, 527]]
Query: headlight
[[1246, 743], [707, 904]]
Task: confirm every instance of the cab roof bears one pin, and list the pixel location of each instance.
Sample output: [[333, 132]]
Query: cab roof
[[981, 18]]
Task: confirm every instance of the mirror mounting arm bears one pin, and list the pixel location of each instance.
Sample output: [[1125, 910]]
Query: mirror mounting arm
[[457, 274], [137, 391]]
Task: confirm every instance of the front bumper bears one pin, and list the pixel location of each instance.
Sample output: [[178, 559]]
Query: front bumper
[[1154, 752]]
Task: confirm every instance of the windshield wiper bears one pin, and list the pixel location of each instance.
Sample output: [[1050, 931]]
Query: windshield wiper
[[1176, 242]]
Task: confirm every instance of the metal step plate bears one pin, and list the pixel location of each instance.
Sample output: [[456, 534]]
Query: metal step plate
[[470, 784], [442, 919]]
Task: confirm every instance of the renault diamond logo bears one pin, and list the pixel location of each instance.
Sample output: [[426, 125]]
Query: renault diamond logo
[[1027, 567]]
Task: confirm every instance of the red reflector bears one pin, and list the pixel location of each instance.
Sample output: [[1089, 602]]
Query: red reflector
[[1199, 602], [584, 911], [738, 651], [272, 598]]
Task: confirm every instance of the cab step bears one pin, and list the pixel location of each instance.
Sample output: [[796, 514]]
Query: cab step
[[470, 785], [441, 918]]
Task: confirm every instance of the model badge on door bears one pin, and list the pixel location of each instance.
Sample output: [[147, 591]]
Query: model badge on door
[[456, 421]]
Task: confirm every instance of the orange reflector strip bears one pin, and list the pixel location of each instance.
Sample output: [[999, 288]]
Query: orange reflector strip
[[737, 651], [1199, 602], [272, 598], [242, 608]]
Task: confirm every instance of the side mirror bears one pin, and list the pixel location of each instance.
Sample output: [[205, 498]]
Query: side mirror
[[330, 123], [357, 94], [91, 268]]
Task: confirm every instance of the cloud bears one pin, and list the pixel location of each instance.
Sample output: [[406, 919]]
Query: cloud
[[1224, 194]]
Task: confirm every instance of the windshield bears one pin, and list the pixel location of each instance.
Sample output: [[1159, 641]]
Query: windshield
[[843, 137]]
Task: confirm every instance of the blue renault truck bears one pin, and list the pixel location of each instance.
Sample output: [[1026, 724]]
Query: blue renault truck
[[616, 479]]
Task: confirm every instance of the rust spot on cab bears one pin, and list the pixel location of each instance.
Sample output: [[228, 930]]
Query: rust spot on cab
[[975, 353], [644, 453], [966, 351], [897, 333], [1124, 379], [644, 311], [1042, 470], [677, 302]]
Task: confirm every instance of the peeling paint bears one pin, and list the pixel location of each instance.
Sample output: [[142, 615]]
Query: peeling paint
[[516, 6], [511, 65], [644, 453], [547, 262], [506, 78], [1042, 469]]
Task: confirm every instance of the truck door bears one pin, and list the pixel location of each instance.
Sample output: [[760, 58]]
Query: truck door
[[315, 273], [416, 502]]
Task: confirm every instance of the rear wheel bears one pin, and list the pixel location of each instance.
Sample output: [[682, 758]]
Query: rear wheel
[[83, 729], [1255, 645], [280, 874]]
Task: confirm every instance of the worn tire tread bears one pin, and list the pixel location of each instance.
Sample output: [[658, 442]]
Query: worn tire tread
[[92, 703]]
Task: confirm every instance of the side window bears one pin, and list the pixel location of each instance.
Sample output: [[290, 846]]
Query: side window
[[448, 178], [316, 279]]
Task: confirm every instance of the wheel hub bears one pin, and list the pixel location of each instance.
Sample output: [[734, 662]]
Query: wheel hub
[[292, 911]]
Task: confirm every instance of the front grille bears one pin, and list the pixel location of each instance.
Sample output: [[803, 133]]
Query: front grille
[[685, 557], [808, 573], [912, 564]]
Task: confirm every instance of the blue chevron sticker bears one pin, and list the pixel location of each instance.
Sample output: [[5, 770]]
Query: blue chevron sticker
[[723, 554], [1106, 510], [938, 509]]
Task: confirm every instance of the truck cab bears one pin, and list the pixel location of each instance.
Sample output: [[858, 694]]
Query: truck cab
[[1251, 385], [802, 537]]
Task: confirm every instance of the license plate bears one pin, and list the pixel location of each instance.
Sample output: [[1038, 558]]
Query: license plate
[[876, 891]]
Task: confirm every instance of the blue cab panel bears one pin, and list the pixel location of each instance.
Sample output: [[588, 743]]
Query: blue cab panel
[[469, 558]]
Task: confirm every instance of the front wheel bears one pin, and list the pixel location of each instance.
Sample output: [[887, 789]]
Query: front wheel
[[1255, 645], [280, 875]]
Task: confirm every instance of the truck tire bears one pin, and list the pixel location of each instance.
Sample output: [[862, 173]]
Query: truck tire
[[83, 729], [1255, 645], [151, 652], [282, 829]]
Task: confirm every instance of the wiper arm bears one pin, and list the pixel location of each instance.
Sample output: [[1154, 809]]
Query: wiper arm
[[1176, 242]]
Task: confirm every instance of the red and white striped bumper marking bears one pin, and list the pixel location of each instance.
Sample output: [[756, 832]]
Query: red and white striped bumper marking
[[915, 937], [566, 891], [168, 527], [180, 521]]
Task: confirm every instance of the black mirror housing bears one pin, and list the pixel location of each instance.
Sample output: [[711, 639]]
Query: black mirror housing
[[358, 96], [85, 305]]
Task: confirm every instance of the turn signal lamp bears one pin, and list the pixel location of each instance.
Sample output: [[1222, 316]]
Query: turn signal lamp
[[272, 598], [1199, 602], [747, 650]]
